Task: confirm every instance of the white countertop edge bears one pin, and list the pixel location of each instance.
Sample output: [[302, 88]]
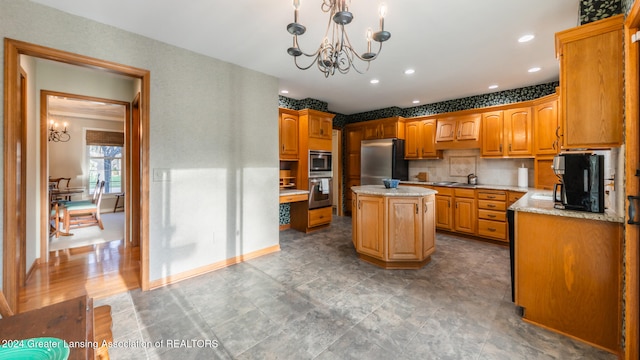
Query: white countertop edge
[[400, 191], [545, 207], [287, 192]]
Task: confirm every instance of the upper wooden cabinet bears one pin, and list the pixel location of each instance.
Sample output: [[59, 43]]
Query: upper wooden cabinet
[[591, 83], [420, 140], [288, 129], [458, 132], [518, 130], [507, 133], [545, 118], [318, 131], [386, 128]]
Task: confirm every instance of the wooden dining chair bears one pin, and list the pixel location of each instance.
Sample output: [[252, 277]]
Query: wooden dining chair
[[60, 183], [84, 214]]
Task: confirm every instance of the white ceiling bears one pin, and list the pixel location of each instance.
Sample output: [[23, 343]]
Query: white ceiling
[[457, 47]]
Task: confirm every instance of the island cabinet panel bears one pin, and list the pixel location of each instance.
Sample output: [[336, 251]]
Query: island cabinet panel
[[404, 228], [568, 276], [428, 227], [592, 83], [370, 213]]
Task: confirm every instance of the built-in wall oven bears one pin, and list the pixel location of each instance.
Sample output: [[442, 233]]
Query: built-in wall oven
[[320, 193], [320, 179]]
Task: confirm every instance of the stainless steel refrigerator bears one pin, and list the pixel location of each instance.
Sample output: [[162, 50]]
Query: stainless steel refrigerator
[[382, 159]]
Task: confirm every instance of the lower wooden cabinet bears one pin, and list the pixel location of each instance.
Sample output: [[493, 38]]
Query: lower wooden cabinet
[[492, 222], [465, 211], [568, 276], [320, 216]]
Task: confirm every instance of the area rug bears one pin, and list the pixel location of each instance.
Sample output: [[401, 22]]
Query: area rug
[[113, 230]]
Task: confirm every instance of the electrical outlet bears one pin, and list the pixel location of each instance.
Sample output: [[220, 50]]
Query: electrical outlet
[[161, 175]]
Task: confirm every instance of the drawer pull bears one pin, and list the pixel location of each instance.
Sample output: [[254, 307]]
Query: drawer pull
[[491, 229], [491, 216], [491, 205], [491, 197]]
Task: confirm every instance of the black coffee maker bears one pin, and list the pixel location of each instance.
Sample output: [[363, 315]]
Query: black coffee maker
[[581, 184]]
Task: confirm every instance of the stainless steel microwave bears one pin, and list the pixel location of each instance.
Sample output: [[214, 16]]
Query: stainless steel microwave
[[319, 160]]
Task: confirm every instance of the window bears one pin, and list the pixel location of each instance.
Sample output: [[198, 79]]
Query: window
[[105, 150]]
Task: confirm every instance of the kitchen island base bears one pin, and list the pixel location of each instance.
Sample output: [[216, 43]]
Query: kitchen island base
[[394, 228]]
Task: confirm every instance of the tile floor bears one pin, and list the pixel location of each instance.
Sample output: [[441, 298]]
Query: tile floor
[[316, 300]]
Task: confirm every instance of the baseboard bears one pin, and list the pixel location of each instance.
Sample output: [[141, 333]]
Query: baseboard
[[33, 267], [212, 267]]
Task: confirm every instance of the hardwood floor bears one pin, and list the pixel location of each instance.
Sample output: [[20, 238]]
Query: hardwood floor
[[97, 271]]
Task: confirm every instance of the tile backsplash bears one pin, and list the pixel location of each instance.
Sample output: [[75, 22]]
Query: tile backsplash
[[457, 164]]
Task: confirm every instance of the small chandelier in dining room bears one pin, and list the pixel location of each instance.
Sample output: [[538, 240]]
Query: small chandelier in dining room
[[56, 135], [335, 51]]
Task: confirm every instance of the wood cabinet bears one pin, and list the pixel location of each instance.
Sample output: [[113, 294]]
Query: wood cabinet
[[544, 176], [458, 132], [568, 276], [546, 128], [492, 222], [507, 133], [420, 140], [354, 136], [386, 128], [444, 208], [464, 211], [405, 228], [321, 126], [591, 84], [394, 232], [370, 218], [288, 131], [518, 130], [316, 127]]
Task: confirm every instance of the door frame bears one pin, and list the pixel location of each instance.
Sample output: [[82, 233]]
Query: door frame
[[12, 51], [44, 164], [632, 185]]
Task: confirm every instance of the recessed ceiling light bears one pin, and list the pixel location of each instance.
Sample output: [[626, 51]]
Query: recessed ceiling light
[[534, 69], [526, 38], [494, 86], [284, 91], [409, 71], [374, 81], [416, 101]]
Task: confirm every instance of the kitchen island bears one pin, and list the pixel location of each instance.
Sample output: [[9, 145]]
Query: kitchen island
[[568, 272], [394, 228]]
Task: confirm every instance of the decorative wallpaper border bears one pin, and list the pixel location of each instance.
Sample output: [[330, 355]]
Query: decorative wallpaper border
[[593, 10]]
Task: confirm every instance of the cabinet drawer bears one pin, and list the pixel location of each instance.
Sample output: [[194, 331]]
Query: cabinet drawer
[[465, 193], [320, 216], [443, 190], [492, 205], [491, 215], [492, 229], [514, 196], [293, 198], [492, 195]]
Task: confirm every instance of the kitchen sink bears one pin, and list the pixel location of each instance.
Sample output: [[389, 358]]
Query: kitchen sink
[[444, 183], [463, 185]]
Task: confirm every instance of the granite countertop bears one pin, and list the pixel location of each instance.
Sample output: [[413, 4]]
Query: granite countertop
[[467, 186], [400, 191], [287, 192], [541, 202]]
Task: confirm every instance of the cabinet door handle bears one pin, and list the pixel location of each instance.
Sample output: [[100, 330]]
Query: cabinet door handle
[[459, 132], [491, 197], [553, 145], [282, 147], [321, 131], [509, 147], [500, 147], [416, 209], [448, 204], [359, 202], [426, 206]]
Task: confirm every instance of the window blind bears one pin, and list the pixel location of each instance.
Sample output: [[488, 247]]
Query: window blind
[[105, 138]]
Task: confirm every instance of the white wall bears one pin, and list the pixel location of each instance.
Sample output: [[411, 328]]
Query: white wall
[[212, 132]]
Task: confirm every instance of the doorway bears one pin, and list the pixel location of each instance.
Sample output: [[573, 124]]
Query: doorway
[[14, 192], [85, 141]]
